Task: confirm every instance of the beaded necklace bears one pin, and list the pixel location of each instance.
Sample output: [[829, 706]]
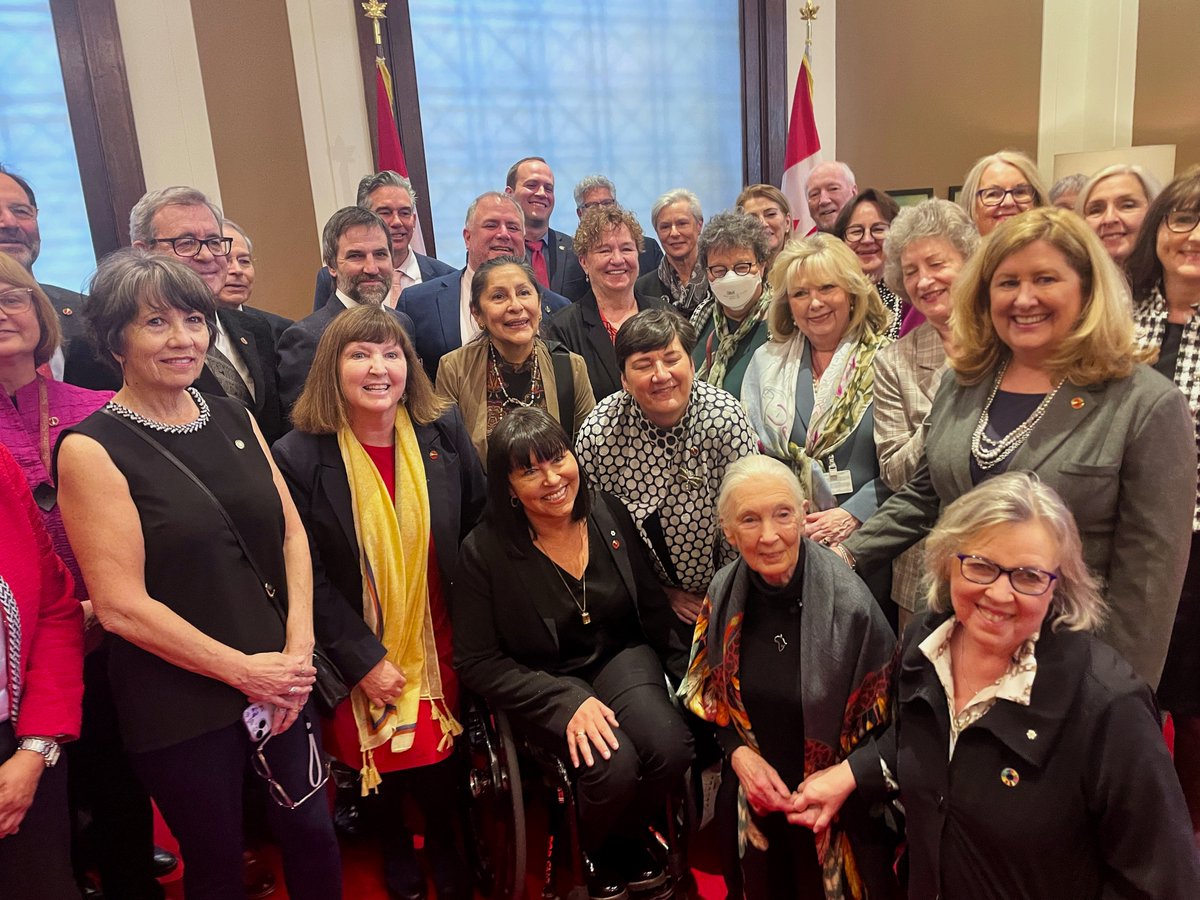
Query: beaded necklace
[[989, 452], [189, 428]]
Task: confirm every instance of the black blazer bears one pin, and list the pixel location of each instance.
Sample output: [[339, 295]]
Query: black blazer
[[579, 329], [279, 324], [312, 467], [298, 345], [505, 641], [429, 268], [575, 283]]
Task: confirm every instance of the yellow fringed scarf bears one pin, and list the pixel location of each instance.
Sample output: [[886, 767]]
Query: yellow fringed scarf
[[394, 558]]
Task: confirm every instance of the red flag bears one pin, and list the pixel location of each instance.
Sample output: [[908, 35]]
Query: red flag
[[803, 150], [391, 153]]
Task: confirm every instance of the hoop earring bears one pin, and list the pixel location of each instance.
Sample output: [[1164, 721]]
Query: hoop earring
[[513, 501]]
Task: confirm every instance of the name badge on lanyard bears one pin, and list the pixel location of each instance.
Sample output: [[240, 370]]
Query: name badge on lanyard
[[840, 481]]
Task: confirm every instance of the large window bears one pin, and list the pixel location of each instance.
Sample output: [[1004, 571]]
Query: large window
[[647, 93], [36, 141]]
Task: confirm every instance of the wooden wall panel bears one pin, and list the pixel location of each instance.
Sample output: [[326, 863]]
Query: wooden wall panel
[[1166, 106]]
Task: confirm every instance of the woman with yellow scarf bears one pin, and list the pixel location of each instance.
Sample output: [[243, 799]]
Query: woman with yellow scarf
[[372, 445]]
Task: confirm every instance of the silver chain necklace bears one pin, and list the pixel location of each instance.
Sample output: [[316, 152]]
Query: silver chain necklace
[[190, 428], [582, 607], [989, 452]]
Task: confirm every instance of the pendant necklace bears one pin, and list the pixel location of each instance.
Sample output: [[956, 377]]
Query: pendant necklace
[[584, 615]]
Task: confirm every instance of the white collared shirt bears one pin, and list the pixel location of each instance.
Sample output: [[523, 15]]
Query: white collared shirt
[[467, 326], [234, 355]]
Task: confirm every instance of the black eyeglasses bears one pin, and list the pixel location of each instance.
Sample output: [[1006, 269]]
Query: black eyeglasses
[[1181, 221], [742, 268], [188, 247], [17, 300], [594, 203], [318, 772], [855, 233], [994, 196], [1024, 579]]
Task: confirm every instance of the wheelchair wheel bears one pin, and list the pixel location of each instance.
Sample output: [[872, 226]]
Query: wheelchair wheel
[[496, 841]]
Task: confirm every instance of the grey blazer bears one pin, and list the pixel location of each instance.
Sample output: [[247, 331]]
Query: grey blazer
[[1121, 454]]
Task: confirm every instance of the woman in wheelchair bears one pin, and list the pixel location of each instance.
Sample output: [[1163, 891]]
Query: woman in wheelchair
[[788, 641], [560, 622]]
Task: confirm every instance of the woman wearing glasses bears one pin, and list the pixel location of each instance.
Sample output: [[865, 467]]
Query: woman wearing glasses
[[1027, 754], [732, 322], [998, 187], [1047, 378], [863, 224], [1164, 269], [809, 391], [198, 568]]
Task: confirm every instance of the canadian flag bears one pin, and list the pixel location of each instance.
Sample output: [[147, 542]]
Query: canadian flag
[[803, 150], [391, 153]]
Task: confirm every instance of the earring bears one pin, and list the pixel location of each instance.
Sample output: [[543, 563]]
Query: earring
[[513, 501]]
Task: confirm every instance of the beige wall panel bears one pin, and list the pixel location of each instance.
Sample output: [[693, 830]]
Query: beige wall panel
[[1166, 104], [258, 139], [925, 89]]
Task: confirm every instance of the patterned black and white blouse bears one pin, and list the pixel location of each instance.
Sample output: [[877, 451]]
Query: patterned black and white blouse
[[668, 479]]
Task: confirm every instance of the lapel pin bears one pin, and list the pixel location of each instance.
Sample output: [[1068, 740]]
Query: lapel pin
[[1076, 403], [433, 454], [240, 444], [1010, 777], [53, 421], [1031, 734], [67, 311], [616, 545], [244, 341]]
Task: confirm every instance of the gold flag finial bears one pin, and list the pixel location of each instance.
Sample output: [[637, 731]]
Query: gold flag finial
[[375, 11], [808, 13]]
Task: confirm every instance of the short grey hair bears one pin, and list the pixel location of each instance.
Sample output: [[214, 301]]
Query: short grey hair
[[846, 171], [755, 469], [387, 178], [732, 229], [1150, 185], [1066, 185], [1014, 158], [342, 221], [928, 219], [590, 183], [494, 195], [1014, 498], [678, 195], [141, 217], [227, 224]]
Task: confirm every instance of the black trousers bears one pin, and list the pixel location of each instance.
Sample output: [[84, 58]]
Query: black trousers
[[197, 785], [119, 841], [618, 796], [35, 863]]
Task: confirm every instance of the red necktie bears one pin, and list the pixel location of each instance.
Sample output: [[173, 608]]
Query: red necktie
[[538, 260]]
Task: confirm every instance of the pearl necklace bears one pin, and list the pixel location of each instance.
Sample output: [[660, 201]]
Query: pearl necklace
[[190, 428], [989, 452]]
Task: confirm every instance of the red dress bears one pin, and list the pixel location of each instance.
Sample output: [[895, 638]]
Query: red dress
[[341, 732]]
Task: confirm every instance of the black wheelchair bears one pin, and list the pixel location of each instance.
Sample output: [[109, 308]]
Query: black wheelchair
[[497, 840]]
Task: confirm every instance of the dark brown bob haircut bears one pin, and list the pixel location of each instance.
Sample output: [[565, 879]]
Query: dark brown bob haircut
[[524, 435], [882, 201], [128, 281], [49, 332], [322, 408], [653, 329], [1143, 267]]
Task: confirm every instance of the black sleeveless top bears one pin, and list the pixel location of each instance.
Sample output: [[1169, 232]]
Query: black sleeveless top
[[195, 566]]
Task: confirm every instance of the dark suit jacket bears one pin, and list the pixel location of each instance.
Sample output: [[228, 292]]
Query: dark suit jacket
[[298, 345], [434, 309], [279, 324], [429, 268], [1121, 454], [505, 641], [579, 328], [69, 306], [316, 476], [575, 283]]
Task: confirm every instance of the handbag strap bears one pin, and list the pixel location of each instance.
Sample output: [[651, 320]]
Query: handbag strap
[[268, 588]]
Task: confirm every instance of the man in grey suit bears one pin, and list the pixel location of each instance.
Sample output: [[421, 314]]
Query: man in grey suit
[[391, 197], [356, 247]]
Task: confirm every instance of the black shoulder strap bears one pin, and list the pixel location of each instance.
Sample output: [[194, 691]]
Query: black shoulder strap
[[564, 384], [268, 588]]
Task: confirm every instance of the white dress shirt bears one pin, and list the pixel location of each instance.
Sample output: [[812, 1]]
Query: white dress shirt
[[467, 326]]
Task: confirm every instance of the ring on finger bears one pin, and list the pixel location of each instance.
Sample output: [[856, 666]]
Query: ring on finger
[[581, 734], [293, 689]]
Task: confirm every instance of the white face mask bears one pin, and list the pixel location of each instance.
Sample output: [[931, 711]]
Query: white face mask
[[736, 292]]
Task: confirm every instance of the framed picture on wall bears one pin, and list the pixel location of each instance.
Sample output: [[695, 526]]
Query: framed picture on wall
[[952, 192], [911, 196]]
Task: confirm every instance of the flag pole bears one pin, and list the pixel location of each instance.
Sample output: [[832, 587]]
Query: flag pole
[[374, 10], [808, 13]]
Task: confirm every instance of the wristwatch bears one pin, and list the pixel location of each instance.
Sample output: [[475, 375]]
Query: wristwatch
[[49, 749]]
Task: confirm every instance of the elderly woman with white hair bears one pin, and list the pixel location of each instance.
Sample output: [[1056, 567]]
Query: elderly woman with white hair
[[926, 249], [1026, 752], [679, 279], [999, 186], [1114, 203], [785, 639]]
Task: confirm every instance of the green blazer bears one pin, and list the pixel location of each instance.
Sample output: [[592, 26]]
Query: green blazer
[[1121, 454]]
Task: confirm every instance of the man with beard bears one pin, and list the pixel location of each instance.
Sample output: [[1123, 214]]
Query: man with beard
[[441, 309], [357, 250]]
